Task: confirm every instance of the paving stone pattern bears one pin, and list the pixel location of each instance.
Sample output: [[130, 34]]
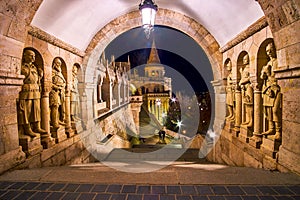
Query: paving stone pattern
[[64, 191]]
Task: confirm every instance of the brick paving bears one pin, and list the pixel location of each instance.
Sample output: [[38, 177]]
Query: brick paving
[[10, 190]]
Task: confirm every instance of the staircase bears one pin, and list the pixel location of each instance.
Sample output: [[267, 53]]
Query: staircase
[[148, 123], [154, 153], [152, 148]]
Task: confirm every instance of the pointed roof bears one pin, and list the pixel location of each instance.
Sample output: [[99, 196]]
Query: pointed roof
[[153, 57]]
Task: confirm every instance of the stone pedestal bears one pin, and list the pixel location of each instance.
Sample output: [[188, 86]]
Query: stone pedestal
[[229, 126], [270, 146], [59, 134], [11, 159], [255, 141], [47, 141], [236, 131], [245, 134], [31, 146], [77, 127], [70, 132]]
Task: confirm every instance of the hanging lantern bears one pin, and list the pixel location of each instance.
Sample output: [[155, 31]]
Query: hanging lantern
[[148, 11]]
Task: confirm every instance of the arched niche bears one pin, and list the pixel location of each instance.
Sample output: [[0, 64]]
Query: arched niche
[[39, 62], [64, 70], [99, 89], [75, 95], [115, 92], [79, 70], [240, 65], [105, 90], [62, 108], [122, 90], [262, 59], [225, 71]]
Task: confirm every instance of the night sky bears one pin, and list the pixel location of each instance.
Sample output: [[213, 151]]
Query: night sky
[[184, 60]]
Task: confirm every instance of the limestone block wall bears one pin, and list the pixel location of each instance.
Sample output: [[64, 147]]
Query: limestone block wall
[[12, 38], [67, 145], [12, 153], [284, 20], [238, 146]]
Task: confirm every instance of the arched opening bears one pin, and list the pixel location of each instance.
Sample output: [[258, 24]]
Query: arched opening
[[177, 51]]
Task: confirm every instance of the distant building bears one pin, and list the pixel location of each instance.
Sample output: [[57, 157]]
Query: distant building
[[155, 88]]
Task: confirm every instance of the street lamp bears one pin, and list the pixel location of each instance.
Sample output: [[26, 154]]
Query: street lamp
[[148, 11], [179, 124]]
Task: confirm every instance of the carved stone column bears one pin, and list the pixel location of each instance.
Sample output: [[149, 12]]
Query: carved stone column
[[46, 140], [256, 139], [69, 130], [238, 111]]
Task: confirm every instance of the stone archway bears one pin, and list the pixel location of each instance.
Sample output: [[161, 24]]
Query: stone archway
[[165, 18]]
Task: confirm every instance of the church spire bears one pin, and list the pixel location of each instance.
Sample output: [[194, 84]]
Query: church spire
[[153, 57]]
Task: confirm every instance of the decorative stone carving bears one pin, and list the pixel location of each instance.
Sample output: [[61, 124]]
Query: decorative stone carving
[[271, 96], [74, 98], [230, 93], [290, 11], [29, 113], [247, 94], [57, 95]]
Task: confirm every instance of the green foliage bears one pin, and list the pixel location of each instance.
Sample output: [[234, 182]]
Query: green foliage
[[135, 141]]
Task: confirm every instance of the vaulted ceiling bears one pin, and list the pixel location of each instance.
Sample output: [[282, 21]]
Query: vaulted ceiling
[[77, 21]]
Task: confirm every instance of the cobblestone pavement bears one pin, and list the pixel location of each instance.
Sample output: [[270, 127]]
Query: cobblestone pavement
[[83, 191]]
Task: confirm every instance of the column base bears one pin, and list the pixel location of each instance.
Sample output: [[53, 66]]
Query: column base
[[229, 126], [76, 126], [270, 146], [47, 141], [59, 134], [70, 132], [245, 134], [31, 146], [255, 141], [236, 131]]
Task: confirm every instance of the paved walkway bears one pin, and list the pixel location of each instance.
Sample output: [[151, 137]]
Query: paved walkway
[[181, 180]]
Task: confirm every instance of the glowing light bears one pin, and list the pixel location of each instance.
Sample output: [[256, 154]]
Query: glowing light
[[148, 11], [158, 102], [179, 123]]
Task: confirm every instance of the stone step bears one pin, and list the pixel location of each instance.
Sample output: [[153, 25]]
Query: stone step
[[154, 153], [158, 146]]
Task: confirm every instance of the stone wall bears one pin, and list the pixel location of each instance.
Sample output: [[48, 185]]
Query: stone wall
[[14, 17], [281, 16], [236, 146], [66, 145]]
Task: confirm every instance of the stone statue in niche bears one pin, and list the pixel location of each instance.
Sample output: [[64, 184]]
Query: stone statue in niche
[[247, 93], [230, 93], [74, 98], [29, 113], [271, 95], [57, 95]]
